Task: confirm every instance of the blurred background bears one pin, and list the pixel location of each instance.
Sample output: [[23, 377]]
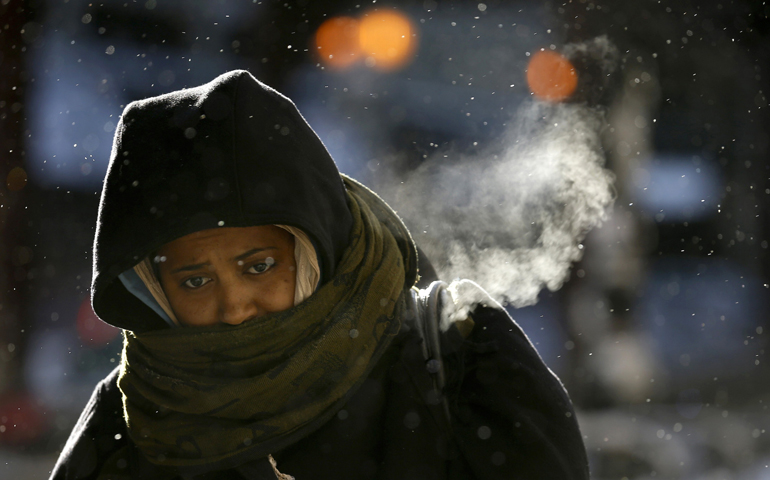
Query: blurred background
[[660, 333]]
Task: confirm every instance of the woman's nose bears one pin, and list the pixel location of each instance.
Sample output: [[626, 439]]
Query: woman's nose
[[237, 303]]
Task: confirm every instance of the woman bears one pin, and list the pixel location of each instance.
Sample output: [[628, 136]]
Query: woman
[[271, 324]]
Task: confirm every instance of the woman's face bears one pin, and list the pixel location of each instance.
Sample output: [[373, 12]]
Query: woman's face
[[229, 275]]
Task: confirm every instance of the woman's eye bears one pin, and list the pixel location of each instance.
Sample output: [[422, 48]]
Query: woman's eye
[[262, 267], [196, 282], [259, 268]]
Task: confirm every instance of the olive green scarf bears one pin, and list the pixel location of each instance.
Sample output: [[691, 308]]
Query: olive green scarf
[[217, 396]]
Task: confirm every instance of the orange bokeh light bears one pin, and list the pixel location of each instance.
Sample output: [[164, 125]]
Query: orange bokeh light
[[551, 76], [337, 41], [16, 179], [386, 39]]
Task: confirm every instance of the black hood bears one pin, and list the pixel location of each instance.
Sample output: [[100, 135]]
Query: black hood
[[232, 153]]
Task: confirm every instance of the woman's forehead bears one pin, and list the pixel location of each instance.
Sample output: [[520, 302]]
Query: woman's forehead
[[227, 239]]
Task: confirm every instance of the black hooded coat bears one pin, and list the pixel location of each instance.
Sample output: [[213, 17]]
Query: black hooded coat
[[236, 153]]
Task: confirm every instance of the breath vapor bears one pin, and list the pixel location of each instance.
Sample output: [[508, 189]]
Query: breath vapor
[[513, 217]]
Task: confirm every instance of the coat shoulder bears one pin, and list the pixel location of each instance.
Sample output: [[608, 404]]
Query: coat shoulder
[[511, 415]]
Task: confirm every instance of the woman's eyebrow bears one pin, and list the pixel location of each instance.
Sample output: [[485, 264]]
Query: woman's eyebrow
[[189, 268], [251, 252], [243, 256]]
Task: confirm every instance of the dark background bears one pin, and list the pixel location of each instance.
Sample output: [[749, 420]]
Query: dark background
[[660, 334]]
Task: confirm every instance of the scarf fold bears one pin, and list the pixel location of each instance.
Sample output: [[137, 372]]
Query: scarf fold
[[210, 398]]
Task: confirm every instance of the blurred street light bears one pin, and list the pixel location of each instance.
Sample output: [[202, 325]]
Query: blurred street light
[[551, 76], [337, 41], [387, 40]]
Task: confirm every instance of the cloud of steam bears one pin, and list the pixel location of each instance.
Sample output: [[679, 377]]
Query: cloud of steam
[[512, 218]]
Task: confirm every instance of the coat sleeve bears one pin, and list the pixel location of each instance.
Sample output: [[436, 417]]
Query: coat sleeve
[[511, 416], [99, 431]]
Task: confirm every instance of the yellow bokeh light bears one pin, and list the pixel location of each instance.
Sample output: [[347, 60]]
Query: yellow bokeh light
[[551, 76], [386, 39], [337, 41], [16, 179]]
